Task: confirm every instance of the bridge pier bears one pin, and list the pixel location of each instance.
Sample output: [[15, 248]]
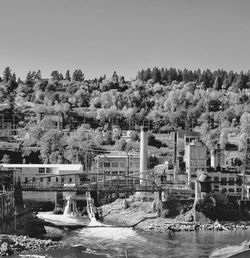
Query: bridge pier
[[58, 200], [159, 204]]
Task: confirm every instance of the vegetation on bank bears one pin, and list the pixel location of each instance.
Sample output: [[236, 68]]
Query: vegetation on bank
[[215, 104]]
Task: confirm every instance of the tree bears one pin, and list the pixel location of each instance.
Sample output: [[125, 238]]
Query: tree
[[156, 75], [67, 76], [115, 77], [217, 84], [52, 141], [38, 75], [245, 123], [6, 159], [55, 76], [7, 75], [78, 75]]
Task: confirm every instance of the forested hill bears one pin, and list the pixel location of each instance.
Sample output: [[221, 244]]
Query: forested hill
[[216, 104]]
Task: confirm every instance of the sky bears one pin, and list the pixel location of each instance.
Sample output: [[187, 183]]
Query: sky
[[102, 36]]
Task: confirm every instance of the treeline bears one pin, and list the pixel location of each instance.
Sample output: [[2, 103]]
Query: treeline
[[217, 80]]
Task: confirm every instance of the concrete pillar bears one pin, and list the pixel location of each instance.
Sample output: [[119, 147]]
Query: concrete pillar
[[197, 190], [143, 153]]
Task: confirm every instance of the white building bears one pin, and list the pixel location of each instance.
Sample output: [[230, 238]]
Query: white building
[[195, 158], [114, 166], [46, 174]]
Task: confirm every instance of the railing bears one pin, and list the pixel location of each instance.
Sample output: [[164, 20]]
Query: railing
[[39, 187]]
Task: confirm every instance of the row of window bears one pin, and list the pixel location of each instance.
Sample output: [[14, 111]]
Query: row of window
[[230, 190], [121, 173], [26, 179], [225, 181], [121, 164], [44, 170]]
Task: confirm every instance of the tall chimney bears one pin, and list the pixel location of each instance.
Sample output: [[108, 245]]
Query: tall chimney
[[143, 153]]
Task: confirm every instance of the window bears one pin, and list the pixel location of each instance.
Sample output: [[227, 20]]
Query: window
[[57, 179], [114, 173], [137, 181], [239, 190], [130, 181], [107, 164], [223, 181], [231, 180], [41, 180], [216, 179], [107, 173], [41, 170], [122, 164], [26, 180], [137, 164], [62, 179], [216, 188], [231, 190], [49, 179], [33, 179], [48, 170], [114, 164], [70, 180]]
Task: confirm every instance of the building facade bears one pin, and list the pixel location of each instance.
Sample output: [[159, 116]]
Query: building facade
[[226, 180], [195, 158], [165, 176], [46, 174], [112, 169]]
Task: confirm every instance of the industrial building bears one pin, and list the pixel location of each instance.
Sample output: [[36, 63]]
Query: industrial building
[[45, 174], [116, 165]]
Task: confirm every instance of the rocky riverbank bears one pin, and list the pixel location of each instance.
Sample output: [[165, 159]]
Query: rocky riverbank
[[142, 217], [13, 244]]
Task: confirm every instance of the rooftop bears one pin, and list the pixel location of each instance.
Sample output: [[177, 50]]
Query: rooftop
[[60, 166]]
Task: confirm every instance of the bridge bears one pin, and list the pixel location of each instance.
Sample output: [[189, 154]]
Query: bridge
[[88, 182], [109, 184], [121, 183]]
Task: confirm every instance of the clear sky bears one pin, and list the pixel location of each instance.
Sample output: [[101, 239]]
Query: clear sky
[[100, 36]]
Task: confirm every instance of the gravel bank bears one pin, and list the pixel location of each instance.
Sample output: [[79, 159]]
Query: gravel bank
[[13, 244]]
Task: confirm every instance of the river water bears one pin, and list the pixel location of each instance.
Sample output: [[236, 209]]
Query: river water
[[102, 240]]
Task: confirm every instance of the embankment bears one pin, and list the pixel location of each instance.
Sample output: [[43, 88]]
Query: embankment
[[142, 216]]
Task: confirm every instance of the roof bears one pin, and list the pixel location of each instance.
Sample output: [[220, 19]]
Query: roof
[[60, 166], [119, 154]]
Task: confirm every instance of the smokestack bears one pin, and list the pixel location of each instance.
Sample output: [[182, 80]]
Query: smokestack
[[143, 153]]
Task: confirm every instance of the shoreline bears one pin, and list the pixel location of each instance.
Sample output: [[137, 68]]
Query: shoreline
[[142, 218]]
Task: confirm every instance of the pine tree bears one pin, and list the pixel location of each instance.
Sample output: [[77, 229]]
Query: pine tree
[[67, 76], [115, 77], [7, 74], [156, 75]]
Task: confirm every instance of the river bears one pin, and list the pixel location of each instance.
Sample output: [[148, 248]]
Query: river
[[103, 240]]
